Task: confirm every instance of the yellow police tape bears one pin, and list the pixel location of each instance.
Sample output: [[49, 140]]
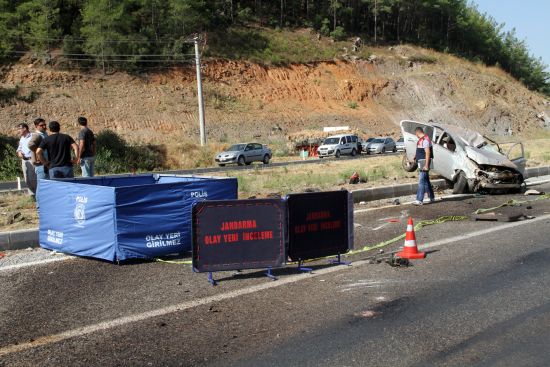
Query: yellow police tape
[[179, 262], [512, 202], [417, 227]]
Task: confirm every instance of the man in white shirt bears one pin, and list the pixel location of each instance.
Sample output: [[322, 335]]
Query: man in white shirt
[[25, 154]]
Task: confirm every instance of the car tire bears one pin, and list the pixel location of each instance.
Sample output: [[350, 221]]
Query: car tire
[[353, 153], [383, 151], [461, 184], [266, 159], [248, 163], [394, 150], [241, 161], [337, 154], [221, 165], [407, 165]]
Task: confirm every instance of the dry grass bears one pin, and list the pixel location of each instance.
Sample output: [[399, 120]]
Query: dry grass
[[18, 206], [537, 152], [260, 182], [324, 176]]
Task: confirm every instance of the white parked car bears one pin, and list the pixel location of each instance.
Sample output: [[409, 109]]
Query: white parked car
[[338, 145]]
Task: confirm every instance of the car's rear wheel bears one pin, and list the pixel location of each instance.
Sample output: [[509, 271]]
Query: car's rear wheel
[[394, 149], [461, 184], [222, 165], [248, 163], [408, 166], [337, 155], [241, 161], [353, 153], [383, 150], [266, 159]]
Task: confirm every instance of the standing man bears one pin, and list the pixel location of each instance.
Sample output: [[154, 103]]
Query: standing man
[[25, 153], [424, 155], [39, 134], [58, 146], [86, 147]]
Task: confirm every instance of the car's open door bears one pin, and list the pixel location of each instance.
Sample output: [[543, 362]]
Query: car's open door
[[516, 153], [410, 139]]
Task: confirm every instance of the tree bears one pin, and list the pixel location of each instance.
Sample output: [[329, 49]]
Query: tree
[[105, 26], [40, 23]]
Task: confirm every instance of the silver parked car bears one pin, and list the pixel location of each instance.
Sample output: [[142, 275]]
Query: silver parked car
[[380, 145], [244, 153], [466, 159], [400, 145]]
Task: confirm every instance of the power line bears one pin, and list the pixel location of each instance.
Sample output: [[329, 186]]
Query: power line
[[99, 55], [189, 39]]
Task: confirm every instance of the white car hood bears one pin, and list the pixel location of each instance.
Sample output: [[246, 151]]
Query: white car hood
[[328, 146], [488, 157]]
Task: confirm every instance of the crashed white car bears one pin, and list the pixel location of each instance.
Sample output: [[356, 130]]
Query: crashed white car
[[468, 161]]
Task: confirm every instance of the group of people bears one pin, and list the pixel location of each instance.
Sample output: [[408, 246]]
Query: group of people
[[47, 155]]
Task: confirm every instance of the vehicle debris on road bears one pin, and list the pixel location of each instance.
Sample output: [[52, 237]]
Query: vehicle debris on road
[[533, 192]]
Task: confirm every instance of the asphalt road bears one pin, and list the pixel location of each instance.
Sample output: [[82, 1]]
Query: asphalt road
[[12, 185], [480, 298]]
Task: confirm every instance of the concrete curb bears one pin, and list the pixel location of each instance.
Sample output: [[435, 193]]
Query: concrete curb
[[18, 240], [22, 239], [387, 192], [537, 171]]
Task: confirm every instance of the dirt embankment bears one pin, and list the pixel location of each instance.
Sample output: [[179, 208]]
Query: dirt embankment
[[245, 101]]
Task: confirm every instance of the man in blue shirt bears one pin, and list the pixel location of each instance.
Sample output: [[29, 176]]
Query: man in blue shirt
[[424, 155], [25, 154]]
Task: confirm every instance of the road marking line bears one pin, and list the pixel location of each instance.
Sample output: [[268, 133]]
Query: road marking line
[[32, 263], [106, 325], [483, 232], [81, 331]]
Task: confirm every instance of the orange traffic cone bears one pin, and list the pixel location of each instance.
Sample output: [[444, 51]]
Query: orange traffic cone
[[410, 251]]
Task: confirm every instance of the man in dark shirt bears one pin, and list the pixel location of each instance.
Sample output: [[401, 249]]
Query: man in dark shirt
[[87, 148], [59, 147]]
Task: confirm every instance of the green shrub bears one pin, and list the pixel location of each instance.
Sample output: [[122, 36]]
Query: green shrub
[[325, 27], [10, 166], [352, 104], [338, 34], [114, 155], [425, 59]]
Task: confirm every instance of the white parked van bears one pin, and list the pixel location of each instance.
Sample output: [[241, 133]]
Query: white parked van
[[338, 145]]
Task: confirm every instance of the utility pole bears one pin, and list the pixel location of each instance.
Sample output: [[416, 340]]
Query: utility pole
[[375, 21], [199, 92]]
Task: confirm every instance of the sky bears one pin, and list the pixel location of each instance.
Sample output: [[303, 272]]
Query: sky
[[530, 18]]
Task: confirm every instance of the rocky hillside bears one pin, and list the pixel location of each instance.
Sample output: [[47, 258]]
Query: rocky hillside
[[246, 100]]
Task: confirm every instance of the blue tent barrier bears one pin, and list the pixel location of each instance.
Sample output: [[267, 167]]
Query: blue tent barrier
[[124, 217]]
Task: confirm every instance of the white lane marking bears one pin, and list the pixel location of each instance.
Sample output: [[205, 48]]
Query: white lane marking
[[33, 263], [483, 232], [81, 331], [106, 325]]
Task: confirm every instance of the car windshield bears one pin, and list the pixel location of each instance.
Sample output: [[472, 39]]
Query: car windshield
[[401, 140], [236, 147], [330, 141], [378, 141], [369, 140]]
